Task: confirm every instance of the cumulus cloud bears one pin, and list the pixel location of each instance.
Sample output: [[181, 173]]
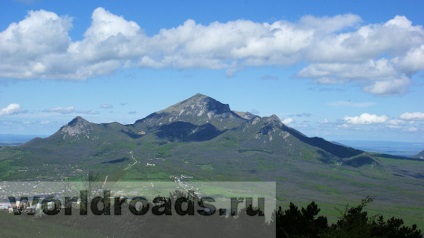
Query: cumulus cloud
[[287, 120], [356, 56], [412, 62], [406, 122], [339, 49], [330, 24], [378, 77], [27, 51], [107, 45], [11, 109], [412, 116], [366, 118], [395, 123]]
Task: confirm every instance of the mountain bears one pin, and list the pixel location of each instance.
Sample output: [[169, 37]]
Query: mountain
[[202, 118], [203, 138], [199, 119], [197, 110]]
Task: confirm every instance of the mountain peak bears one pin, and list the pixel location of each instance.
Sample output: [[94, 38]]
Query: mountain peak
[[199, 104], [273, 119], [199, 109], [199, 95], [195, 97], [78, 126], [78, 121]]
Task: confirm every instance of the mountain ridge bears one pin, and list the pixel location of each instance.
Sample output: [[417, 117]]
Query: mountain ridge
[[198, 126], [198, 110], [201, 115]]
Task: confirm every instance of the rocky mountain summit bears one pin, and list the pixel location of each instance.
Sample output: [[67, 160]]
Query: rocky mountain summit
[[197, 110], [76, 128]]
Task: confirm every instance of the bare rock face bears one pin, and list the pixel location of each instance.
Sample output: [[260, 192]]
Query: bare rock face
[[77, 128], [247, 115], [273, 119], [200, 105], [198, 110]]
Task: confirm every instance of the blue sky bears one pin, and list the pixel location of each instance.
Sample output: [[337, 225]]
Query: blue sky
[[334, 69]]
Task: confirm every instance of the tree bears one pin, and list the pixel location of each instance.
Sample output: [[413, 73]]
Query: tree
[[300, 223], [356, 223]]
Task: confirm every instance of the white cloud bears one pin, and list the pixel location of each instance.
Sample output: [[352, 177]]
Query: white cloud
[[70, 110], [412, 116], [379, 77], [368, 42], [287, 120], [366, 118], [356, 57], [389, 86], [62, 110], [395, 123], [106, 25], [380, 57], [107, 45], [412, 62], [412, 129], [27, 46], [330, 24], [11, 109]]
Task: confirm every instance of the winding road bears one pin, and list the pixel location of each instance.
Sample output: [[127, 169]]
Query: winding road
[[135, 161]]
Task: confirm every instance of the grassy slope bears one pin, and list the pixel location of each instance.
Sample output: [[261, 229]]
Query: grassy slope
[[26, 226], [234, 156], [298, 180]]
